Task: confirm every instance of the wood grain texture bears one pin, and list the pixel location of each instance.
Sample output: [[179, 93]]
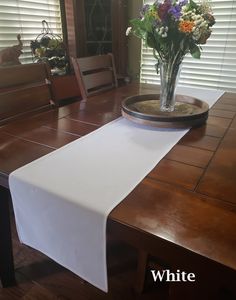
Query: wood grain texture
[[190, 155], [222, 113], [227, 107], [71, 126], [228, 98], [64, 87], [183, 213], [22, 75], [218, 122], [219, 179], [177, 173], [16, 152], [47, 136], [197, 139], [233, 124], [216, 126], [95, 74], [23, 89], [172, 214]]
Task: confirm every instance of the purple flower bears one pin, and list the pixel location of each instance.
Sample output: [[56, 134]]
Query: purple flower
[[175, 10], [163, 10]]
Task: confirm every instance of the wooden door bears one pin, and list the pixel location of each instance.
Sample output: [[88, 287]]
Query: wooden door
[[98, 27]]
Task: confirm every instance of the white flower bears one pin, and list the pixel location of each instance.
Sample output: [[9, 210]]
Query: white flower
[[128, 30], [196, 34], [203, 24], [162, 31]]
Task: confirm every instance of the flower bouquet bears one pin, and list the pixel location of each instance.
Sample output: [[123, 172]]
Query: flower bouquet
[[172, 28]]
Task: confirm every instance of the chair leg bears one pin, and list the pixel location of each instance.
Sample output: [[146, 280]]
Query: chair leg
[[141, 271], [7, 274]]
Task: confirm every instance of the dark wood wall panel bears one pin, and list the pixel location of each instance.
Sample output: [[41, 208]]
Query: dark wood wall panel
[[71, 27], [77, 29], [119, 42]]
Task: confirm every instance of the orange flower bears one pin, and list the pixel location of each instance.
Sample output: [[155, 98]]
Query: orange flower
[[186, 26]]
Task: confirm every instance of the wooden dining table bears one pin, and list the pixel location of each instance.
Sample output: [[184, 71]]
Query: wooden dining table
[[183, 213]]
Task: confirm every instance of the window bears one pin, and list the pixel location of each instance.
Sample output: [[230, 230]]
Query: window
[[217, 65], [25, 17]]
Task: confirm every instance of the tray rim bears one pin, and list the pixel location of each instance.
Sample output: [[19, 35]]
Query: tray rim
[[165, 119]]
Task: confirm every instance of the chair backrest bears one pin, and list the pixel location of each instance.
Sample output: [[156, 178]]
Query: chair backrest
[[95, 73], [23, 89]]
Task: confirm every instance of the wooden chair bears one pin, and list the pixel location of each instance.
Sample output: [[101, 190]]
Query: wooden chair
[[23, 90], [95, 74]]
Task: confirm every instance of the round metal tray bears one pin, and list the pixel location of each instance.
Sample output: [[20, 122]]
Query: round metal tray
[[145, 109]]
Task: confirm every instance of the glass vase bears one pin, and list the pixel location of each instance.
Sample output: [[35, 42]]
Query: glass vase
[[169, 73]]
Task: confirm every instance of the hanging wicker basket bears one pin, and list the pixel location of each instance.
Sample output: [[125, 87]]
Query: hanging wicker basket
[[49, 47]]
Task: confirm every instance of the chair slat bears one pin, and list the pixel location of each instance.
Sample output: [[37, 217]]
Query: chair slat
[[22, 75], [95, 73], [21, 101], [23, 90], [98, 79], [94, 62]]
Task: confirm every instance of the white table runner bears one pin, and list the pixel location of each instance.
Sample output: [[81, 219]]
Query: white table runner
[[62, 200]]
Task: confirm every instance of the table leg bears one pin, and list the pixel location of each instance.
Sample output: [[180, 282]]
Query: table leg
[[141, 271], [7, 273]]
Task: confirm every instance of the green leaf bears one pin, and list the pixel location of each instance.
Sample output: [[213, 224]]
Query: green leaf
[[151, 41], [195, 51], [136, 23], [138, 28], [147, 22], [193, 4]]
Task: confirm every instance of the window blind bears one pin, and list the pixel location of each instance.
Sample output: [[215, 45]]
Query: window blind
[[217, 66], [25, 17]]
